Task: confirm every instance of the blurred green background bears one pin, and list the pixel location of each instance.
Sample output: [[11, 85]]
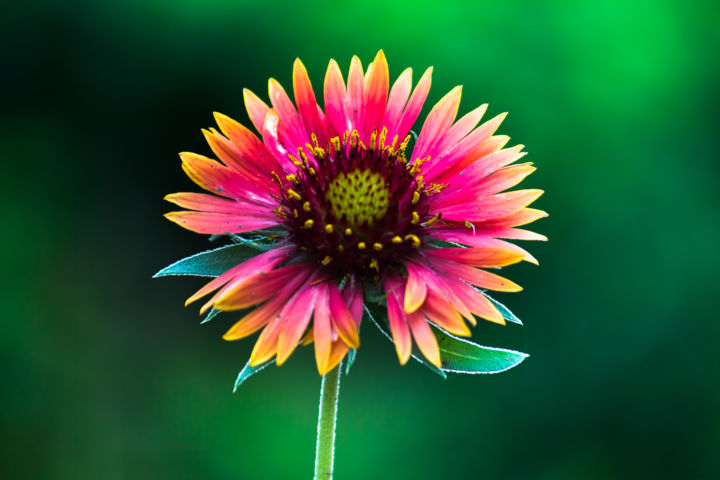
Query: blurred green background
[[107, 375]]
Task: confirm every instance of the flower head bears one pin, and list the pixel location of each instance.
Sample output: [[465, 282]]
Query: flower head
[[346, 213]]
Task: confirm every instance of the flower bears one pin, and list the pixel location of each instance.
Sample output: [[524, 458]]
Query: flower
[[348, 215]]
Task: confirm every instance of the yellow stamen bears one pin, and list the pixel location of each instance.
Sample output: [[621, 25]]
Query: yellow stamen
[[309, 223], [396, 240], [414, 239], [432, 220], [306, 206], [362, 246], [377, 246], [293, 194], [329, 228], [292, 178], [348, 231], [340, 248], [326, 260], [415, 218], [374, 264], [416, 197]]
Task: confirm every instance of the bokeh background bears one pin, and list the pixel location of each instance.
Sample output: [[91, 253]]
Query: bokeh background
[[106, 375]]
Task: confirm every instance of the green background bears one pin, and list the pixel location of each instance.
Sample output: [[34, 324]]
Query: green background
[[106, 375]]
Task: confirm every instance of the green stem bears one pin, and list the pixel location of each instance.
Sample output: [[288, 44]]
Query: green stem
[[329, 390]]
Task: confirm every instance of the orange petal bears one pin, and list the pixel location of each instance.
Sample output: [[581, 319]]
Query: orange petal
[[254, 320], [415, 289], [426, 341], [322, 330]]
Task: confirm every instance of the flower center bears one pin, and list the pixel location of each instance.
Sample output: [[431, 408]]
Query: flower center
[[359, 197], [356, 209]]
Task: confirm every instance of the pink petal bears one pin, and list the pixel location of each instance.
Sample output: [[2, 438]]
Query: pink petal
[[399, 94], [295, 317], [414, 105], [306, 103], [342, 319], [335, 97], [355, 94], [256, 108], [437, 123]]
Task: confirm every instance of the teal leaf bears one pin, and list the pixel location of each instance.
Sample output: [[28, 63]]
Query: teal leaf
[[248, 371], [386, 333], [463, 356], [351, 359], [504, 311], [210, 263], [211, 314]]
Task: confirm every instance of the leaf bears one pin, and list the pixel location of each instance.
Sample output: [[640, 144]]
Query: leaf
[[463, 356], [211, 314], [504, 311], [351, 359], [419, 358], [210, 263], [248, 371]]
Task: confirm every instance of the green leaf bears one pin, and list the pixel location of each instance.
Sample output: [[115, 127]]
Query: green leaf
[[210, 263], [248, 371], [419, 358], [504, 311], [463, 356]]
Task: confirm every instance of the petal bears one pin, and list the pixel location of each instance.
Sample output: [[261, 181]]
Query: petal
[[444, 314], [255, 320], [265, 261], [262, 286], [397, 320], [266, 346], [355, 94], [322, 330], [492, 207], [399, 94], [342, 319], [414, 105], [295, 317], [477, 257], [437, 123], [476, 276], [256, 109], [522, 217], [335, 94], [219, 223], [293, 129], [338, 350], [253, 152], [454, 134], [206, 203], [426, 341], [415, 289], [377, 82], [306, 103]]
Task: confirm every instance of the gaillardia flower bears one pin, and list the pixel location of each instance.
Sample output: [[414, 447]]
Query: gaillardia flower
[[348, 213]]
